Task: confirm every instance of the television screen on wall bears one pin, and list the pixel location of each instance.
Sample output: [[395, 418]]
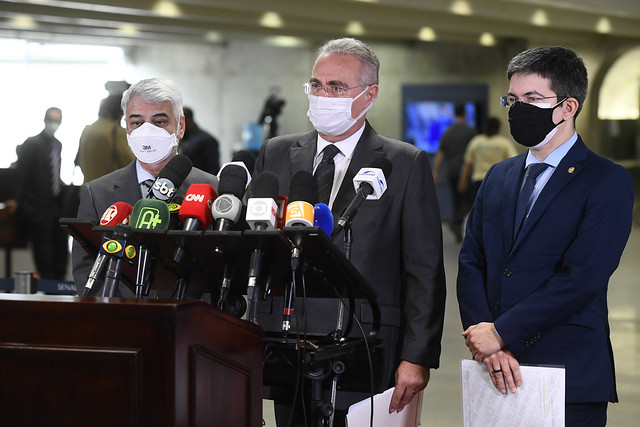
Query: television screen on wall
[[428, 111], [426, 121]]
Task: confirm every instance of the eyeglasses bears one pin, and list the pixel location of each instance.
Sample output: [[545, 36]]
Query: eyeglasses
[[332, 91], [509, 100]]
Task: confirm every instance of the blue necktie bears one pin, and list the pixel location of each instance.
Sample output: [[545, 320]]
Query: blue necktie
[[324, 173], [523, 206]]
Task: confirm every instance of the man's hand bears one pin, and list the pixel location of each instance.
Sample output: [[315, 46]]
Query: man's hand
[[482, 340], [410, 379], [504, 368]]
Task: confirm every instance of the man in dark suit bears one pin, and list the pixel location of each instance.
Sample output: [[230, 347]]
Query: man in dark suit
[[155, 123], [39, 198], [534, 290], [397, 240]]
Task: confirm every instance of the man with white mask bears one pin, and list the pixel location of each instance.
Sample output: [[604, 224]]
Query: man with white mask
[[154, 123], [397, 240]]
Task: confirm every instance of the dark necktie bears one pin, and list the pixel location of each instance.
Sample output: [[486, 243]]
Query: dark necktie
[[324, 173], [523, 205], [55, 168], [146, 187]]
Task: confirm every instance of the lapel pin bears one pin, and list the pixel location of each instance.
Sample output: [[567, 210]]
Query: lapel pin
[[571, 169]]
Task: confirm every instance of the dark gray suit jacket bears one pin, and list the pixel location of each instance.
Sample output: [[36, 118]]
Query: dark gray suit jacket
[[118, 186], [397, 240]]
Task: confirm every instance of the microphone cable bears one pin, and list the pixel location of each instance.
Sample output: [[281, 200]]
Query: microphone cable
[[366, 344]]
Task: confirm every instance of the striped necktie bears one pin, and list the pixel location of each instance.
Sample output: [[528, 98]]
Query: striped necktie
[[145, 187]]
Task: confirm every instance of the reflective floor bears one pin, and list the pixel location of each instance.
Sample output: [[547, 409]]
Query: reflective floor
[[442, 398]]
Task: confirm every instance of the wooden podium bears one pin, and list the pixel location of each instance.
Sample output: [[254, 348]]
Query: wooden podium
[[69, 361]]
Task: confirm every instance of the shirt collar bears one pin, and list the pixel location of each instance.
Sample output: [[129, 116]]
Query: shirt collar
[[556, 155], [346, 146], [142, 174]]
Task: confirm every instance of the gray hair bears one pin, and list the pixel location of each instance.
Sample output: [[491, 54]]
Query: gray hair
[[350, 46], [155, 91]]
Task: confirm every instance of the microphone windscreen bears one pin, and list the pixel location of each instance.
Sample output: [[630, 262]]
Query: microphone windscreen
[[115, 214], [233, 180], [247, 158], [323, 218], [303, 188], [150, 214], [177, 169], [266, 185], [171, 177], [197, 204]]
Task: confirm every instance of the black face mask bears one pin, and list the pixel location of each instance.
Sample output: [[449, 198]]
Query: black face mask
[[529, 124]]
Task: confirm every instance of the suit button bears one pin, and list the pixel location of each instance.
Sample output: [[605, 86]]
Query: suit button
[[507, 272], [496, 306]]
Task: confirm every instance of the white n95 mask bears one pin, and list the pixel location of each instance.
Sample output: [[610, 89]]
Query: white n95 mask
[[332, 116], [150, 143]]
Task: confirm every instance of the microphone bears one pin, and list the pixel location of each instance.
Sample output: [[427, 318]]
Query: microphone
[[262, 212], [174, 213], [147, 214], [195, 213], [227, 208], [370, 183], [262, 209], [300, 213], [170, 178], [303, 194], [116, 248], [323, 218], [247, 158], [282, 203], [117, 213]]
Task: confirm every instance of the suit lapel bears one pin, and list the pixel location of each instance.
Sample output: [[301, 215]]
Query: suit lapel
[[510, 191], [302, 153], [123, 191], [568, 168]]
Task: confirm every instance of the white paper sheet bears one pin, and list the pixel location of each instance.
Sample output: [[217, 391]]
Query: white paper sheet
[[538, 403], [359, 413]]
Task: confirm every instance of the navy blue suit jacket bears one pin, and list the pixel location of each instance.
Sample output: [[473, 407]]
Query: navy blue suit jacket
[[547, 292]]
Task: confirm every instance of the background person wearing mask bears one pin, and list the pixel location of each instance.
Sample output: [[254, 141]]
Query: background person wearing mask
[[39, 198], [397, 240], [155, 123], [545, 234]]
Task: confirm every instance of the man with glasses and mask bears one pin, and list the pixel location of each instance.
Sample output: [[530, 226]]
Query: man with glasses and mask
[[397, 240], [546, 232], [155, 123]]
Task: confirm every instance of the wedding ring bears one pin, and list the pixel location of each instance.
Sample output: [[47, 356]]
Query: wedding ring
[[496, 371]]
